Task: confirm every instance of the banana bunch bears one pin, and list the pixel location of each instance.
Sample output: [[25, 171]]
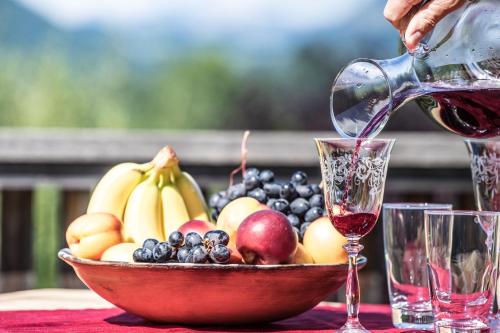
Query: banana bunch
[[152, 199]]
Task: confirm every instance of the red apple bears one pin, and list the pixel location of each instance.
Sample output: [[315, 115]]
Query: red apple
[[234, 213], [265, 238], [198, 226]]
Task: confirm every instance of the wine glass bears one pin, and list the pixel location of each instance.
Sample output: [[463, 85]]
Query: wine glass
[[485, 167], [353, 172]]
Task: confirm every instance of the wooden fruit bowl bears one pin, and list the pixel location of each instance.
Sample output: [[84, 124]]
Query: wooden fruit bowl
[[211, 294]]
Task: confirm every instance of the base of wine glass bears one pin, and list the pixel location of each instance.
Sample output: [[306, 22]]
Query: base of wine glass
[[494, 322], [350, 327]]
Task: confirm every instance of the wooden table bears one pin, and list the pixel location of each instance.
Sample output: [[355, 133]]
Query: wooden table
[[50, 299]]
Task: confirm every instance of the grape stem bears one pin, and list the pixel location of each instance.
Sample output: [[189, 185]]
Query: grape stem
[[244, 156]]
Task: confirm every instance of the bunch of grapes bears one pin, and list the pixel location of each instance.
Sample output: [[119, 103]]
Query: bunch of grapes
[[212, 248], [300, 201]]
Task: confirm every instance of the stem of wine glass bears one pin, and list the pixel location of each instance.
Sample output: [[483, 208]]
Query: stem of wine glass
[[353, 247]]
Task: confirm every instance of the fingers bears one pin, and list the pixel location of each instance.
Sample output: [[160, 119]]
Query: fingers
[[395, 10], [426, 18]]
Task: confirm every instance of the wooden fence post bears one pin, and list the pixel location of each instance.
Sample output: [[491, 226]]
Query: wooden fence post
[[46, 234], [2, 226]]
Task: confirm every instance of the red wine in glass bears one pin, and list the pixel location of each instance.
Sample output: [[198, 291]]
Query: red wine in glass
[[358, 224], [345, 222]]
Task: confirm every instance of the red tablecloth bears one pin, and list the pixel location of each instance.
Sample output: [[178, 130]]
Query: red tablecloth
[[323, 318]]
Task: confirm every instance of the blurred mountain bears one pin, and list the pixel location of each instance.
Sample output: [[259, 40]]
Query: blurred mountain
[[153, 42], [23, 31]]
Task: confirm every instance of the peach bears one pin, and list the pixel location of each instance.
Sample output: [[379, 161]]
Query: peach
[[302, 256], [324, 243], [91, 234]]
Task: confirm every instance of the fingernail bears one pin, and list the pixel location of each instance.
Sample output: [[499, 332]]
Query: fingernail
[[413, 40]]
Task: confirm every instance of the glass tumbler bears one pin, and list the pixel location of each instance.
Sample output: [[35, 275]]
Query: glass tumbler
[[461, 248], [405, 262]]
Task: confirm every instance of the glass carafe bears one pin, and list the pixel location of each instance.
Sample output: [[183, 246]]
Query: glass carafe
[[454, 73]]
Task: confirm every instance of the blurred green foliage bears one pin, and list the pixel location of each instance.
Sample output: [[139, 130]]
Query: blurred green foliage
[[201, 89]]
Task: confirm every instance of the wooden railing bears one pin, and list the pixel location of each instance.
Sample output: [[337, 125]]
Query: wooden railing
[[46, 176]]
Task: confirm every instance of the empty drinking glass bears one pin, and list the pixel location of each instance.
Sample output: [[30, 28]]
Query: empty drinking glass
[[461, 248], [405, 262], [485, 164]]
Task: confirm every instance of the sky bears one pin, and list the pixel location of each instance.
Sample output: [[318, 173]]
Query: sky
[[298, 15]]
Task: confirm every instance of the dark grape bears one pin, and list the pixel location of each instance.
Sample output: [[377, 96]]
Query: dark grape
[[251, 182], [216, 237], [316, 189], [299, 206], [236, 191], [176, 239], [294, 220], [299, 178], [270, 202], [214, 198], [214, 215], [272, 190], [143, 255], [251, 172], [317, 200], [150, 243], [222, 203], [189, 259], [182, 254], [303, 229], [162, 252], [304, 191], [258, 194], [288, 191], [220, 254], [281, 205], [199, 254], [193, 239], [313, 214], [266, 176]]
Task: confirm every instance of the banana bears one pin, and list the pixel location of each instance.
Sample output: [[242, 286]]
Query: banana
[[175, 212], [143, 213], [191, 192], [112, 191]]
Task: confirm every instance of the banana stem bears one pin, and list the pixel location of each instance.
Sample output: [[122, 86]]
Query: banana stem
[[161, 183], [145, 167], [154, 177], [165, 158], [176, 170], [166, 176]]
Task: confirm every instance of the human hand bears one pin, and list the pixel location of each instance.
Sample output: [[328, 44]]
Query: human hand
[[414, 20]]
